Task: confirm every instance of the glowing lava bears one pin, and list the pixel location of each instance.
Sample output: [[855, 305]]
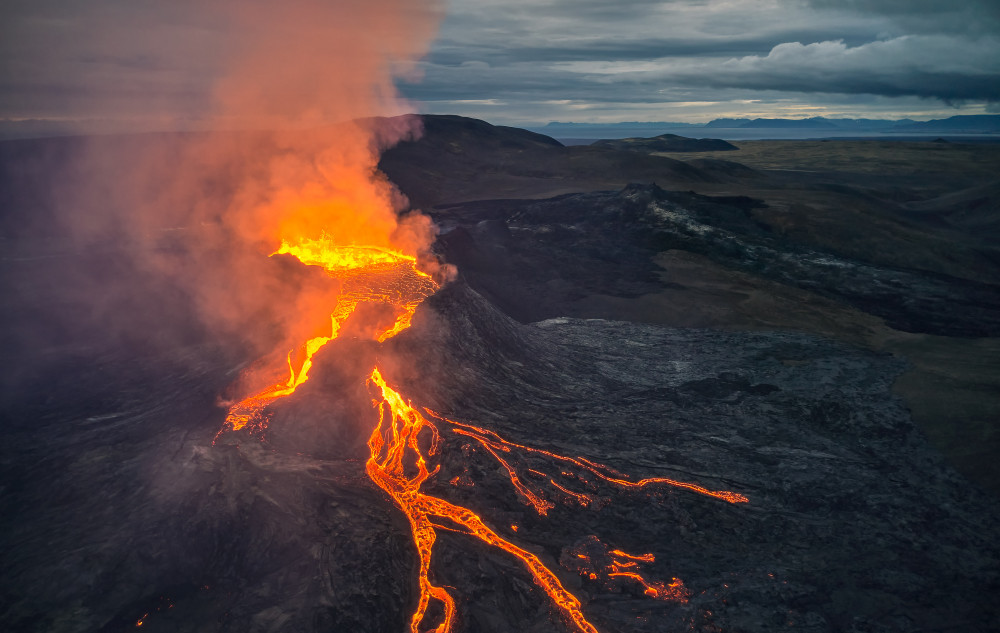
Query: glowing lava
[[493, 443], [405, 438], [397, 436], [614, 568], [368, 275]]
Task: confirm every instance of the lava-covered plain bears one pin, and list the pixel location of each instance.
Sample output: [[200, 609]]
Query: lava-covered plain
[[710, 336]]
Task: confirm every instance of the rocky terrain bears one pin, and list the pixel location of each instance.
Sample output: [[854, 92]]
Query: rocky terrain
[[722, 336], [853, 523], [595, 243], [887, 215]]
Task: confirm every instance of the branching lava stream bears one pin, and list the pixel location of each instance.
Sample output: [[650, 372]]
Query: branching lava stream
[[369, 275], [399, 465]]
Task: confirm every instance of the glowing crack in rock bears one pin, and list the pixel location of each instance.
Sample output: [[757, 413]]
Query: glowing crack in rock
[[398, 462], [614, 568]]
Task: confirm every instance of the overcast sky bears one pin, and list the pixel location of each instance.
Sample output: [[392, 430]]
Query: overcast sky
[[523, 61], [533, 61]]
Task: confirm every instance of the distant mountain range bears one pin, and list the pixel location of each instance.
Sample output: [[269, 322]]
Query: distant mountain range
[[624, 125], [974, 124], [813, 123]]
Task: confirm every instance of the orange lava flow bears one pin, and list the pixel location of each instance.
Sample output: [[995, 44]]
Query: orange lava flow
[[398, 465], [368, 275], [395, 437], [404, 439], [613, 568], [493, 443]]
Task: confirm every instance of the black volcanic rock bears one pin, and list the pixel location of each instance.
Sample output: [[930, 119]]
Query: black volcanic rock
[[806, 428], [585, 243], [461, 131], [976, 209], [457, 159], [667, 143], [130, 512], [119, 504], [725, 170]]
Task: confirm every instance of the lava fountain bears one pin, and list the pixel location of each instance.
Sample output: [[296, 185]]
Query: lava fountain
[[406, 439]]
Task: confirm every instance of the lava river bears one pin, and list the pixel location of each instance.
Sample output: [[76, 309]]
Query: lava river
[[407, 439]]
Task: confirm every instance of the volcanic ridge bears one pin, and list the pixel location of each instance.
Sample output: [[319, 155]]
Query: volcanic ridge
[[660, 394]]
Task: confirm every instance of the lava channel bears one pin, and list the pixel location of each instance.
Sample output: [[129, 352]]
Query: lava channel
[[399, 466]]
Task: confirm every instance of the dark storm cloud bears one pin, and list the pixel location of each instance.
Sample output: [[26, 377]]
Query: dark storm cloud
[[921, 16], [925, 66], [605, 49], [593, 54], [989, 8], [518, 30], [929, 66], [117, 58]]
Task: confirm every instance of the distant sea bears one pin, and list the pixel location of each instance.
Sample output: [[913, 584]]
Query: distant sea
[[594, 133]]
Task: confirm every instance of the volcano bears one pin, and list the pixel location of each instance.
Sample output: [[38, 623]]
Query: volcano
[[846, 500], [605, 473]]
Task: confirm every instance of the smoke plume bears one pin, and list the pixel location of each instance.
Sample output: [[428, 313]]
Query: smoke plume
[[302, 90]]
